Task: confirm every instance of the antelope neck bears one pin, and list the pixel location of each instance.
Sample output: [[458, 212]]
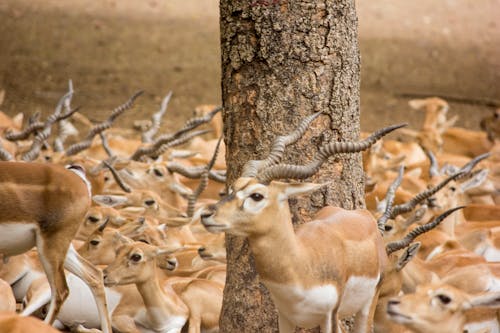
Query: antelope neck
[[277, 252], [154, 297]]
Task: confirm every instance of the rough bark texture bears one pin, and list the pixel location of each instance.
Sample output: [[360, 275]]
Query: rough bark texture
[[283, 60]]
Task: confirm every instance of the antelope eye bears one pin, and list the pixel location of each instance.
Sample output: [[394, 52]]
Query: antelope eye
[[453, 189], [135, 257], [143, 241], [149, 202], [158, 172], [94, 242], [256, 196], [388, 227], [444, 298], [93, 219]]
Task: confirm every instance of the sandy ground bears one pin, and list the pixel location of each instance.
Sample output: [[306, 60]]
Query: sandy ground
[[111, 48]]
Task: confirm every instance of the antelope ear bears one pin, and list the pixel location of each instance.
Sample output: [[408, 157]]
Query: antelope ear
[[475, 181], [293, 189], [119, 238], [109, 200], [410, 253], [490, 300]]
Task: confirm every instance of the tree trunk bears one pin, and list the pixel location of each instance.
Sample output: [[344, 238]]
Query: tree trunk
[[281, 61]]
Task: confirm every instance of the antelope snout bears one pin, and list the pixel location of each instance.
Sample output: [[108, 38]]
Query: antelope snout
[[172, 264]]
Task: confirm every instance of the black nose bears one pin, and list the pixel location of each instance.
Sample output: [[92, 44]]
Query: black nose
[[201, 250]]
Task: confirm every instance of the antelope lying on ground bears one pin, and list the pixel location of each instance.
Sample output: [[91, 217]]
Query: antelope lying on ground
[[442, 308], [165, 311], [329, 268], [43, 205], [13, 323]]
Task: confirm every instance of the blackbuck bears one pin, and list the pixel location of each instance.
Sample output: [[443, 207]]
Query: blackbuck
[[43, 205], [440, 307], [196, 301], [329, 268]]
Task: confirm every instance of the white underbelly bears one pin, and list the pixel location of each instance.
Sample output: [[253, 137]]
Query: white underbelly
[[20, 288], [16, 238], [80, 305], [306, 308], [164, 323], [358, 294]]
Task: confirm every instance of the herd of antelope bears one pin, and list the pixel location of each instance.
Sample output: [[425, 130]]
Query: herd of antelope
[[111, 229]]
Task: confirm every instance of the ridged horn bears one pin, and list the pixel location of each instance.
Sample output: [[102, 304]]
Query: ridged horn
[[44, 134], [401, 244], [117, 177], [434, 167], [163, 143], [203, 181], [147, 136], [472, 163], [389, 200], [282, 171], [87, 142], [195, 172], [252, 167], [410, 205]]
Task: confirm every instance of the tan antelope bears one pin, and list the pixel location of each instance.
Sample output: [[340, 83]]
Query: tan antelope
[[14, 323], [43, 205], [165, 312], [329, 268], [7, 300], [440, 307]]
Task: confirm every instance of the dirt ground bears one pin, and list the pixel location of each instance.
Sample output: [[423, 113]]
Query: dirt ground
[[112, 48]]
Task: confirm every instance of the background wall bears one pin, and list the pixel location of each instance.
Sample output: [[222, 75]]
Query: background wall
[[112, 48]]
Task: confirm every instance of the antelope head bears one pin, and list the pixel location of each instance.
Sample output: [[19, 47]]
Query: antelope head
[[257, 200], [135, 263]]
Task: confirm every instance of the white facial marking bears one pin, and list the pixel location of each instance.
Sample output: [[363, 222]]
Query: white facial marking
[[250, 205]]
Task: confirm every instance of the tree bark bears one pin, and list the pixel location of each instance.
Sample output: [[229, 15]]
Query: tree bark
[[281, 61]]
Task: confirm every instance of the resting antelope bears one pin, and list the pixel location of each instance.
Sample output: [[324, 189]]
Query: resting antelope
[[329, 268], [439, 307], [43, 205], [165, 311]]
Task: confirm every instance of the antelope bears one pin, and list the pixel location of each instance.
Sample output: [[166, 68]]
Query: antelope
[[13, 323], [440, 307], [315, 275], [126, 305], [165, 312], [43, 205]]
